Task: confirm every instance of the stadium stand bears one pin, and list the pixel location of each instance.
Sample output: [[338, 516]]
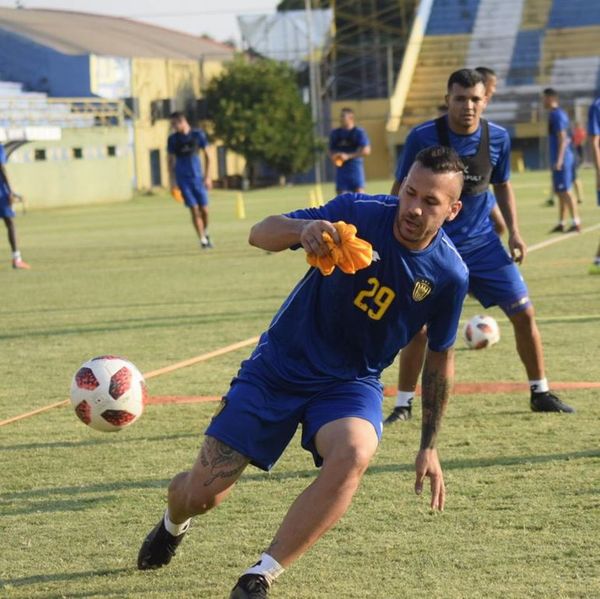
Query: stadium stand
[[539, 43]]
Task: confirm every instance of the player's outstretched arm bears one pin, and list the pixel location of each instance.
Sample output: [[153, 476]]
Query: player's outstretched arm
[[438, 374], [278, 232]]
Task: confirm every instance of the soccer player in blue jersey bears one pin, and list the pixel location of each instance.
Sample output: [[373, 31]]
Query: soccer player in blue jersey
[[348, 144], [185, 172], [594, 135], [494, 278], [562, 160], [8, 214], [319, 364]]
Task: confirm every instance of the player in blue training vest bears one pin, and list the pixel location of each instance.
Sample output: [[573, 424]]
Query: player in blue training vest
[[594, 135], [562, 161], [185, 172], [348, 144], [318, 364], [8, 214], [494, 278]]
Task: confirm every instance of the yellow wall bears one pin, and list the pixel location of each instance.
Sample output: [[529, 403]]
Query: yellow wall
[[183, 80], [62, 180], [371, 115]]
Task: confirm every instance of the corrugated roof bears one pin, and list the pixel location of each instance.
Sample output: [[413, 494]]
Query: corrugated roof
[[87, 33]]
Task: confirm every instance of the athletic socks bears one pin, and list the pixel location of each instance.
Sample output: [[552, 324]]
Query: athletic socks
[[577, 221], [540, 386], [16, 255], [176, 529], [404, 399], [266, 566]]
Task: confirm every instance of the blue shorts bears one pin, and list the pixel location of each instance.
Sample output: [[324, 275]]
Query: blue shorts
[[194, 192], [260, 414], [6, 210], [562, 180], [352, 181], [494, 279]]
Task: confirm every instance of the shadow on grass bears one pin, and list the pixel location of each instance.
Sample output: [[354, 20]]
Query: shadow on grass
[[57, 505], [66, 576], [113, 440], [292, 474], [148, 323]]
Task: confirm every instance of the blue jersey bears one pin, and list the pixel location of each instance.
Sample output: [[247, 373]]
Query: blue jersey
[[349, 141], [559, 121], [3, 187], [472, 227], [351, 327], [185, 149], [594, 118]]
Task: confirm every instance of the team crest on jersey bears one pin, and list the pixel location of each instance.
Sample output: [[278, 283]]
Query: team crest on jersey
[[421, 289]]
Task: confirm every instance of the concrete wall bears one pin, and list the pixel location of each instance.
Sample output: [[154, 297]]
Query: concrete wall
[[371, 115], [42, 69], [62, 180]]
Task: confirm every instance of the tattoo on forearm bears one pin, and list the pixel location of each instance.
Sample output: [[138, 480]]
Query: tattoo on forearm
[[436, 390], [222, 461]]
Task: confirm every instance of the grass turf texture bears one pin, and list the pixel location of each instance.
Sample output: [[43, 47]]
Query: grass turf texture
[[522, 517]]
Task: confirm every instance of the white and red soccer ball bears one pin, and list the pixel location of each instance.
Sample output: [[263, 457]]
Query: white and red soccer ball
[[108, 393], [480, 332]]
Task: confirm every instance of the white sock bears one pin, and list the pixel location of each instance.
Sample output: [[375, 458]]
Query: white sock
[[203, 239], [561, 222], [266, 566], [540, 386], [597, 260], [577, 221], [176, 529], [16, 255], [404, 399]]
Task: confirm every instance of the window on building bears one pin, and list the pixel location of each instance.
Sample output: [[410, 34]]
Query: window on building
[[78, 153], [111, 150], [39, 154]]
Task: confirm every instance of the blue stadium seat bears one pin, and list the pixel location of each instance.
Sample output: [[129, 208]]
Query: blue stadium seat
[[574, 13], [452, 17], [524, 65]]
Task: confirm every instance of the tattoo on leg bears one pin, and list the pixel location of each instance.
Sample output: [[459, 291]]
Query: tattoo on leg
[[222, 461]]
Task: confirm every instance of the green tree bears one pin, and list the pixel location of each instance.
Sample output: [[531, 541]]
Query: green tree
[[257, 111]]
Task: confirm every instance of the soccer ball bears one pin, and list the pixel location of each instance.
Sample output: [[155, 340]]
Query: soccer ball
[[108, 393], [480, 332]]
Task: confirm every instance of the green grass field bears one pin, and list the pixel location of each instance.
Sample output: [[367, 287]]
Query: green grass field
[[523, 509]]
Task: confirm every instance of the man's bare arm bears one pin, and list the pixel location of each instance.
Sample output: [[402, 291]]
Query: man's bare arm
[[505, 197], [278, 232], [207, 179], [171, 164]]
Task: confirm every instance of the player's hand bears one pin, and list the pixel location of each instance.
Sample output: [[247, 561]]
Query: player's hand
[[427, 465], [344, 156], [558, 166], [208, 183], [11, 198], [311, 237], [517, 247]]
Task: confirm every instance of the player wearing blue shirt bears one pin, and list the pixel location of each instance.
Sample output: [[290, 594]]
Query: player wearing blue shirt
[[594, 135], [185, 172], [8, 214], [494, 278], [319, 363], [562, 160], [348, 144]]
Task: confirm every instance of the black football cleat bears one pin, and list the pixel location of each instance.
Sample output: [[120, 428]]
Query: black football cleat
[[548, 402], [158, 548], [250, 586], [560, 228], [398, 414]]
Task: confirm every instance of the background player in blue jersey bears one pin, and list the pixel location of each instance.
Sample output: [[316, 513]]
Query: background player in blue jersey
[[185, 172], [319, 364], [594, 135], [8, 214], [348, 144], [562, 160], [490, 80], [494, 278]]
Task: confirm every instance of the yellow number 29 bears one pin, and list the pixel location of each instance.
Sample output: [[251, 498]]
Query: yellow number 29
[[381, 296]]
